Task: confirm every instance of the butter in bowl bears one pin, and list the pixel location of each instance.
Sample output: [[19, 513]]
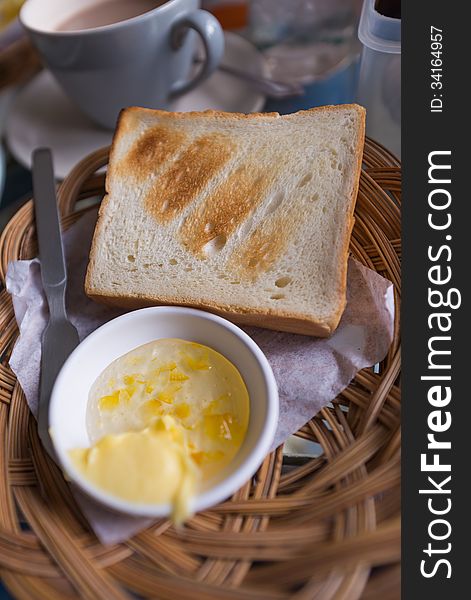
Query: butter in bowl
[[164, 411]]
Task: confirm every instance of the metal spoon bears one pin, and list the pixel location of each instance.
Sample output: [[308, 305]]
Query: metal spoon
[[269, 87]]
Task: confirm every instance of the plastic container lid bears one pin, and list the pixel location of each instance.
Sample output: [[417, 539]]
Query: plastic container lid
[[378, 32]]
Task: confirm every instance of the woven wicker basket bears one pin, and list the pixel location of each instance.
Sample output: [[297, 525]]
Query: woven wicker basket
[[325, 529]]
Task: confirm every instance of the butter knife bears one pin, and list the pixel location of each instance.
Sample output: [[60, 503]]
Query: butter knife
[[60, 337]]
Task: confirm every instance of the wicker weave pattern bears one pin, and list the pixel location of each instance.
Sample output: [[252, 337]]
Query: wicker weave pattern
[[328, 529]]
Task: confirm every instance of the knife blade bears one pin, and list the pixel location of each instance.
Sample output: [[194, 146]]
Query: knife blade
[[60, 337]]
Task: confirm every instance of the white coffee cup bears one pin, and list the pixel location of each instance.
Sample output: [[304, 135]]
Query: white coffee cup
[[145, 60]]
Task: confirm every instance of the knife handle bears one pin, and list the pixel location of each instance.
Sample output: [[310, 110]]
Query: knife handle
[[51, 251]]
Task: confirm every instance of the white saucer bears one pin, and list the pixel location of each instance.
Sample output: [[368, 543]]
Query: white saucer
[[41, 115]]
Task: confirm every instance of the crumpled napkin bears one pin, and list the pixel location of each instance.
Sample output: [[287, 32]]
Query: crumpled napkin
[[310, 372]]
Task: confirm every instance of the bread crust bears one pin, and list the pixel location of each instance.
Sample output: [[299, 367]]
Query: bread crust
[[212, 114], [276, 319], [353, 197]]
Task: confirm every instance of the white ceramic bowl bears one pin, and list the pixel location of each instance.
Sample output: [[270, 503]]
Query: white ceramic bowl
[[70, 394]]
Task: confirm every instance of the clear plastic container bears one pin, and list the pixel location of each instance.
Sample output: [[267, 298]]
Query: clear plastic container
[[379, 86], [309, 42]]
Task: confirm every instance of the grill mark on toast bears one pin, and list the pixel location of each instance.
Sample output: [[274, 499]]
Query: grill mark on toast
[[187, 177], [154, 147], [262, 249], [225, 209]]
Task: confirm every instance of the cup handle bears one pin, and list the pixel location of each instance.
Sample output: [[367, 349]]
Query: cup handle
[[212, 35]]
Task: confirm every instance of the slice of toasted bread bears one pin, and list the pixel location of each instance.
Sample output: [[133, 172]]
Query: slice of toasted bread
[[248, 216]]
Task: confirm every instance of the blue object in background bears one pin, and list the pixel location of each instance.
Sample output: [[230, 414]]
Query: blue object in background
[[338, 88], [17, 183]]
